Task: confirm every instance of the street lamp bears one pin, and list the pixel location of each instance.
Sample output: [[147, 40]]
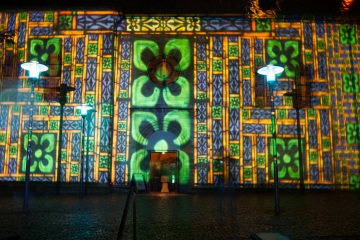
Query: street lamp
[[270, 72], [63, 90], [84, 111], [89, 114], [34, 69], [297, 106]]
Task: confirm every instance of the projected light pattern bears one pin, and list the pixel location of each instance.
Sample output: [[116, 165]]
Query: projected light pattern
[[153, 94], [43, 158], [187, 85], [288, 160]]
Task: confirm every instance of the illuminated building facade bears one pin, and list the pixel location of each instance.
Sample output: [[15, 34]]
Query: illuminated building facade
[[185, 87]]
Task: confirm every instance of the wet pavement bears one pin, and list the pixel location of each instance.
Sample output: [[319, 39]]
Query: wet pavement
[[234, 215]]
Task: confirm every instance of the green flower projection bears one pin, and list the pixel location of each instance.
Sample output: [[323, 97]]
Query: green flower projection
[[145, 93], [353, 133], [350, 83], [347, 34], [285, 54], [288, 158], [263, 25], [65, 22], [158, 84], [46, 51], [43, 154], [166, 141], [354, 182]]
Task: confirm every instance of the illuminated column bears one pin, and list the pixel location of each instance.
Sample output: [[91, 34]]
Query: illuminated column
[[34, 69], [84, 111], [270, 72]]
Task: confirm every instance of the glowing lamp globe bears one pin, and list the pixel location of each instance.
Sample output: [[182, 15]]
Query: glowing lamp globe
[[270, 72], [34, 69], [84, 109]]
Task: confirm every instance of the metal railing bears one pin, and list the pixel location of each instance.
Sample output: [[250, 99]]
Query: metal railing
[[131, 196]]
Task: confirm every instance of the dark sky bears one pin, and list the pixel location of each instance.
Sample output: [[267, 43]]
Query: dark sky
[[190, 7]]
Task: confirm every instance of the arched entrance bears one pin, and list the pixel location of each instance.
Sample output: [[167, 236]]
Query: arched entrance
[[163, 172], [163, 162], [170, 136]]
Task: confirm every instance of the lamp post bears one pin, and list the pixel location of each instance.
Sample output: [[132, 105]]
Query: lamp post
[[84, 111], [270, 72], [34, 69], [89, 113], [297, 106], [63, 90]]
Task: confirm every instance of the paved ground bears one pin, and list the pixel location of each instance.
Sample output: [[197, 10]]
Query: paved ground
[[307, 215]]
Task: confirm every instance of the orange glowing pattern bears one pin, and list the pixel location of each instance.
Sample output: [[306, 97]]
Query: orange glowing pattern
[[346, 5]]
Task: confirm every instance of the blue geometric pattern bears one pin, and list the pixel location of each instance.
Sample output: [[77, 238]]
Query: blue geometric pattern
[[121, 142], [4, 113], [125, 53], [287, 32], [234, 81], [67, 44], [76, 143], [98, 22], [218, 47], [261, 176], [308, 36], [41, 31], [11, 22], [312, 131], [293, 114], [21, 35], [314, 172], [202, 144], [36, 16], [123, 111], [201, 112], [78, 90], [253, 128], [217, 137], [201, 81], [67, 75], [12, 166], [258, 46], [108, 47], [234, 122], [226, 24], [234, 172], [80, 49], [105, 126], [217, 90], [2, 159], [124, 79], [247, 151], [287, 129], [246, 93], [260, 145], [201, 51], [327, 166], [260, 114], [245, 52], [325, 123], [15, 125], [106, 93], [91, 74], [322, 65], [320, 31]]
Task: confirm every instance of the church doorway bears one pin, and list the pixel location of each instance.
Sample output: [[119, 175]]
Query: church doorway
[[163, 172]]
